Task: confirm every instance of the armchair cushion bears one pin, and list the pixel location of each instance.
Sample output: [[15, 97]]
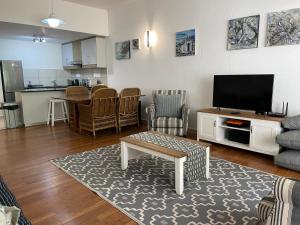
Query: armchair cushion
[[168, 105], [167, 122]]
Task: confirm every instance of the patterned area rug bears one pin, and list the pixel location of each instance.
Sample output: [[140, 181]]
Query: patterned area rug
[[145, 192]]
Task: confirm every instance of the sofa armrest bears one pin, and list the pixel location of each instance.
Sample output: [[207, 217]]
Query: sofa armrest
[[185, 118], [150, 112], [265, 207]]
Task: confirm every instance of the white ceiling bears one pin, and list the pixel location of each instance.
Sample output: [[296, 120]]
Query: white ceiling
[[26, 33], [102, 4]]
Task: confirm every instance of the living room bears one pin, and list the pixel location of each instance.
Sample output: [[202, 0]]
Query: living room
[[62, 176]]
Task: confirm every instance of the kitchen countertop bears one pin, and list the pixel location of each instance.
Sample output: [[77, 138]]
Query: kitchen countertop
[[43, 89]]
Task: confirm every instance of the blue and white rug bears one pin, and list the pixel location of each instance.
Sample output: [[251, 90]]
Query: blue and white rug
[[145, 192]]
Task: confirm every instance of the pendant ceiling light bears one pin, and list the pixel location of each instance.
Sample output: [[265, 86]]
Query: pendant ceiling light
[[52, 21]]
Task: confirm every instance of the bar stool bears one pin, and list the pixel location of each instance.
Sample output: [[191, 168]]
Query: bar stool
[[51, 111]]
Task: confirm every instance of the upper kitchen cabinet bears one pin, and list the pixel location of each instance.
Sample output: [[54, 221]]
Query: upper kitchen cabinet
[[71, 55], [93, 53]]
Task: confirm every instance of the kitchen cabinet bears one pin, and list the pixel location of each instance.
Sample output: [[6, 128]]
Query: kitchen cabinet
[[94, 53], [71, 55]]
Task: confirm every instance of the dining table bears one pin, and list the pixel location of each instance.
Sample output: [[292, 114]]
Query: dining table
[[74, 101]]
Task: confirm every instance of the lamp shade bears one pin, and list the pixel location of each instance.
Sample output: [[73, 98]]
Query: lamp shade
[[52, 21]]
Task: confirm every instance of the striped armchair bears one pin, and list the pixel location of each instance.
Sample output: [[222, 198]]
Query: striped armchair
[[174, 125], [282, 206]]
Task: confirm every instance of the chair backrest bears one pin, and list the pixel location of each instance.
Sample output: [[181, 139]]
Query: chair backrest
[[97, 87], [287, 205], [130, 92], [129, 101], [104, 102], [170, 92], [77, 91]]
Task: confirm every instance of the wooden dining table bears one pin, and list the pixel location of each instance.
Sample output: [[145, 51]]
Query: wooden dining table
[[74, 101]]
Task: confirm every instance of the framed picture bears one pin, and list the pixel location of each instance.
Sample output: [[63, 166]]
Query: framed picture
[[135, 43], [122, 50], [243, 33], [283, 28], [185, 43]]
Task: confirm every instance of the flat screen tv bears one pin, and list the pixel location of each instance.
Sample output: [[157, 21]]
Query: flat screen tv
[[244, 92]]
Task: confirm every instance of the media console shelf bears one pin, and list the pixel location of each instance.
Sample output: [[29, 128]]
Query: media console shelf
[[258, 135]]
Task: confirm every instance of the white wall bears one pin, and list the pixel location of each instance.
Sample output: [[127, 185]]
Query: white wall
[[77, 17], [42, 62], [33, 55], [159, 68]]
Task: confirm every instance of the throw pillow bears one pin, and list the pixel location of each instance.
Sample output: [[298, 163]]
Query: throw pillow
[[8, 199], [9, 215], [290, 139], [168, 105], [291, 123]]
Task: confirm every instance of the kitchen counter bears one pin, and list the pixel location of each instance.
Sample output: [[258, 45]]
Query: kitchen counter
[[42, 90], [34, 104]]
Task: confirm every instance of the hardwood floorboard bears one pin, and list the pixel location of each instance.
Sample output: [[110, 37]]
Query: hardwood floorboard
[[49, 196]]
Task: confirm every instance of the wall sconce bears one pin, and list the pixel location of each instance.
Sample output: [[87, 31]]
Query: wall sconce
[[150, 39]]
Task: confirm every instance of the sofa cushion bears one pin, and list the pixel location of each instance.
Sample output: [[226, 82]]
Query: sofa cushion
[[290, 139], [167, 122], [168, 105], [291, 123], [7, 198], [289, 159]]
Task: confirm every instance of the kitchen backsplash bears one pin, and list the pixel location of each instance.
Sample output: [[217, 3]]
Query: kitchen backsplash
[[93, 74], [47, 76]]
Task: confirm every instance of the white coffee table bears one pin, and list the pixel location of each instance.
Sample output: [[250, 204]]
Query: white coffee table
[[132, 148]]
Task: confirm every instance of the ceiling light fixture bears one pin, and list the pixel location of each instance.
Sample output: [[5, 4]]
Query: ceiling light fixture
[[52, 20], [38, 39]]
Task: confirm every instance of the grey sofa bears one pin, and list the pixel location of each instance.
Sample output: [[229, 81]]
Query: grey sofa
[[282, 205], [169, 113], [290, 141]]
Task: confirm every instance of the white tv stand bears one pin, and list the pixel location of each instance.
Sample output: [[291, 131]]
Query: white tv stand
[[262, 130]]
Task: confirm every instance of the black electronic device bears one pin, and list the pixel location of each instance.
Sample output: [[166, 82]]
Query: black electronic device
[[284, 111], [239, 136], [244, 92]]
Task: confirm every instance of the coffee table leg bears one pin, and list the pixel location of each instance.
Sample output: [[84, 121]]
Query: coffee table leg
[[124, 155], [179, 176]]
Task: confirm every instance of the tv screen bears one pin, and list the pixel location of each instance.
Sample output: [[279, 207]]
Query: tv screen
[[246, 92]]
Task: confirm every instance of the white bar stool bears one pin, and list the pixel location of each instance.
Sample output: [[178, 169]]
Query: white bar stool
[[51, 111]]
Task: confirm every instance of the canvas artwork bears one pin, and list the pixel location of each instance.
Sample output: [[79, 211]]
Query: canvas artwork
[[283, 28], [122, 50], [135, 43], [243, 33], [185, 43]]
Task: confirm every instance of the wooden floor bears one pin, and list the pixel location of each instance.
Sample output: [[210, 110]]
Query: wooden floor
[[49, 196]]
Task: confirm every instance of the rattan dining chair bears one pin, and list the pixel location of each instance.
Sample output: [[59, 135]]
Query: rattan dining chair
[[101, 113], [72, 92], [77, 91], [97, 87], [128, 107]]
